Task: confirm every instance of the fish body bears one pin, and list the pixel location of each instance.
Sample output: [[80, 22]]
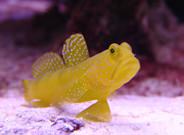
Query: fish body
[[81, 78]]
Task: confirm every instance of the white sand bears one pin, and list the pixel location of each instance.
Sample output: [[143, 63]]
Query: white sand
[[132, 115]]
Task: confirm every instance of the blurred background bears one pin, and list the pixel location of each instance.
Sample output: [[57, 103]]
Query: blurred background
[[154, 29]]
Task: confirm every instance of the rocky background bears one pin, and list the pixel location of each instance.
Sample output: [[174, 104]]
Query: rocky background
[[155, 31]]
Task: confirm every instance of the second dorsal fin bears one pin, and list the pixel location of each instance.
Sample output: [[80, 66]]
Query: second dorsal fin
[[49, 62], [75, 50]]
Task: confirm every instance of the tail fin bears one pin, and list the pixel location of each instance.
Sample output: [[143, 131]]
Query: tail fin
[[25, 84], [29, 97], [26, 89]]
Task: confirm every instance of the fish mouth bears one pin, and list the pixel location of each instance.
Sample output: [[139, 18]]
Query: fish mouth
[[125, 69]]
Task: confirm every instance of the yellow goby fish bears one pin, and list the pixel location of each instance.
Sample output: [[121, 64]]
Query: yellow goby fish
[[81, 78]]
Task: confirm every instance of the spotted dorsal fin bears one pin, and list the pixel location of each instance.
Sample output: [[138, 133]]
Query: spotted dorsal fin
[[49, 62], [75, 50]]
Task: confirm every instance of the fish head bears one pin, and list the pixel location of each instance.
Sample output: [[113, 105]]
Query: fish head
[[112, 68], [124, 64]]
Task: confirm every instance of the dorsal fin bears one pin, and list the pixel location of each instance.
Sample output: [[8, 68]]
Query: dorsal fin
[[75, 50], [49, 62]]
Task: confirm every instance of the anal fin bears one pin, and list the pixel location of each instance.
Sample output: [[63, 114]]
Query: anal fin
[[98, 112]]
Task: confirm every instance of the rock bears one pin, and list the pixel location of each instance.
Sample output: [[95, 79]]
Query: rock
[[164, 33], [132, 115]]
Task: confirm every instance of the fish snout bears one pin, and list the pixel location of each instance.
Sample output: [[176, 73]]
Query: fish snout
[[127, 69]]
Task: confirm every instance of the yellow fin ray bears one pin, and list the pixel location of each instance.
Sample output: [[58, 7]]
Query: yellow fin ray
[[75, 50], [49, 62], [99, 111]]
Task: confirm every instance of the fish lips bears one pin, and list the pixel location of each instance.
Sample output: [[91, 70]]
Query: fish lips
[[126, 70]]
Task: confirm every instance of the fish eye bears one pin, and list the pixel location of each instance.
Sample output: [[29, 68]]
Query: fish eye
[[112, 50]]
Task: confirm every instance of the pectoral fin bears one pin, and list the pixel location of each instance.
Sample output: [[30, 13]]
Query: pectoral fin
[[99, 111]]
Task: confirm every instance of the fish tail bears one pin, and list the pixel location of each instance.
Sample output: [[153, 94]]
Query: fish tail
[[29, 95], [26, 85]]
